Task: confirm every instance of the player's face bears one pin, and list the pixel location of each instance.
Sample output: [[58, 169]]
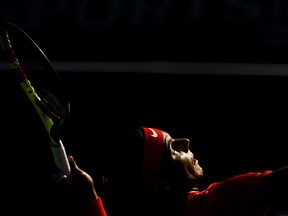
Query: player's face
[[182, 161]]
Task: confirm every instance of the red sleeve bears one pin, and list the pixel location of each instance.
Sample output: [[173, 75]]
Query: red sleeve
[[232, 196], [93, 208]]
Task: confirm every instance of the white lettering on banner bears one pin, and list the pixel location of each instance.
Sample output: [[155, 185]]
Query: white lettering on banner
[[267, 18], [85, 13]]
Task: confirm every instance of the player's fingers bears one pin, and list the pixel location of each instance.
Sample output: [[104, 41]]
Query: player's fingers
[[73, 164], [75, 170]]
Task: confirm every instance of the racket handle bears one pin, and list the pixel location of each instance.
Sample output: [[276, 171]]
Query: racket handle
[[60, 158]]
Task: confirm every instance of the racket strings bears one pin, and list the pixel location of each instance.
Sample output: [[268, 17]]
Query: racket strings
[[44, 99], [50, 105]]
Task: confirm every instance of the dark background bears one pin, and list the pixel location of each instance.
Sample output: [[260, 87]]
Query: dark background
[[193, 31], [237, 122]]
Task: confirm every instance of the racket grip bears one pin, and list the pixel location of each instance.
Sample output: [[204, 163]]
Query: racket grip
[[60, 158]]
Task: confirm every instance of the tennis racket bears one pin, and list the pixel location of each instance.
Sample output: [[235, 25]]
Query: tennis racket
[[41, 84]]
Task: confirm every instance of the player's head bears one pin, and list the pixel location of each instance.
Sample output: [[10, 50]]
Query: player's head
[[148, 156]]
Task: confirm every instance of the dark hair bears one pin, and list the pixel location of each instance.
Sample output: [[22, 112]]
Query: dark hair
[[124, 162], [123, 167]]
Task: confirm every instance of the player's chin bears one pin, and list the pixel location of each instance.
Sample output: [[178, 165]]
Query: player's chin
[[198, 171]]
